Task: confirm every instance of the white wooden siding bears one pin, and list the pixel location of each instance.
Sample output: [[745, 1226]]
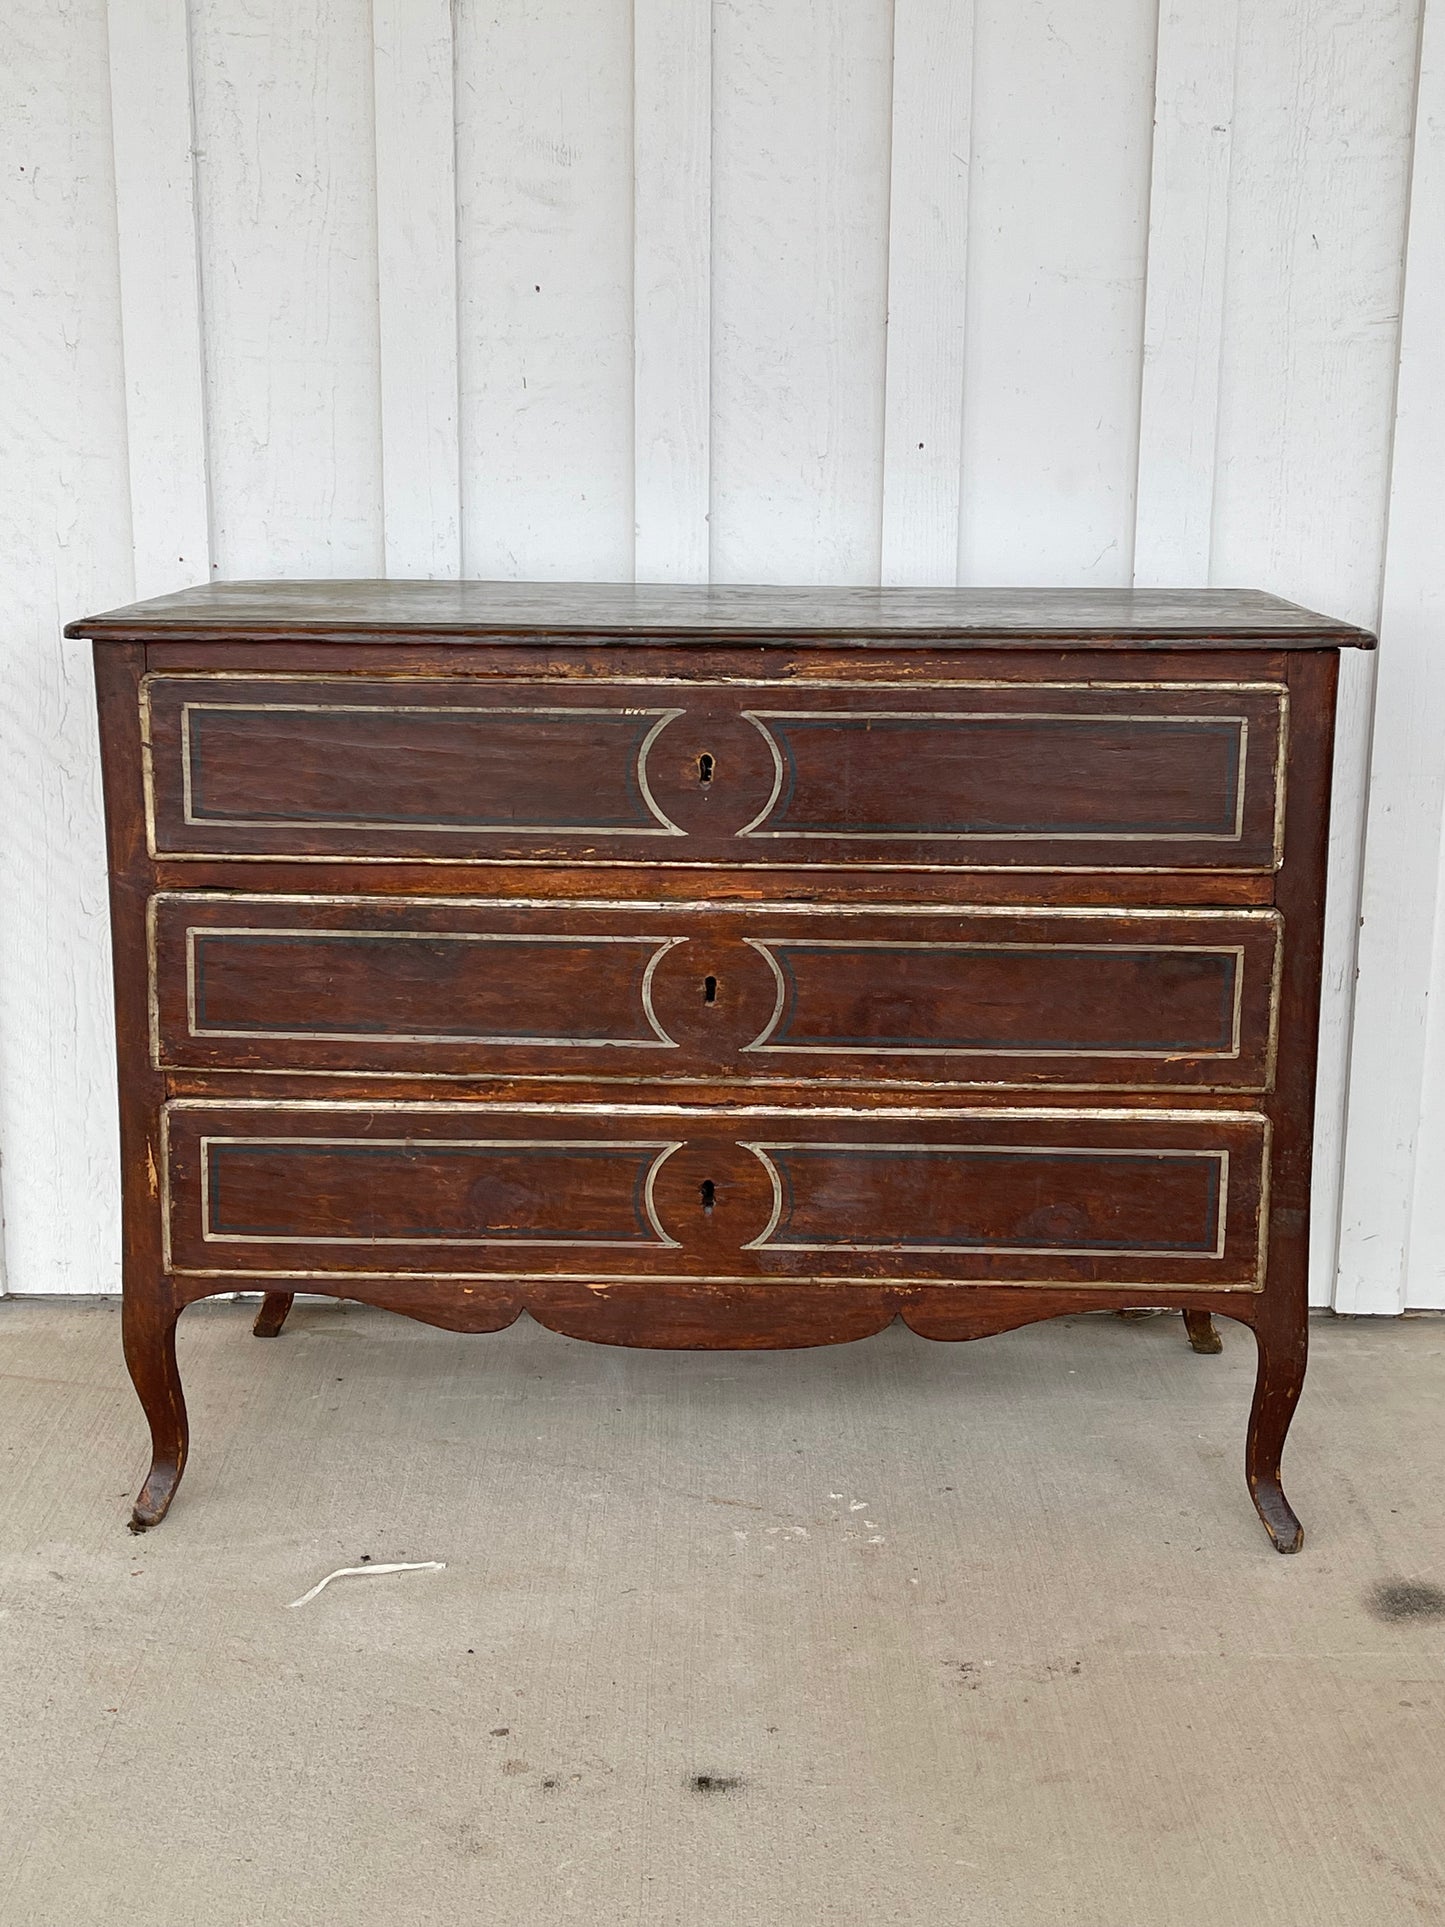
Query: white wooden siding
[[65, 537], [286, 177], [799, 288], [995, 291], [416, 259], [1058, 236], [1320, 165], [671, 287], [929, 142], [1392, 1246], [544, 232]]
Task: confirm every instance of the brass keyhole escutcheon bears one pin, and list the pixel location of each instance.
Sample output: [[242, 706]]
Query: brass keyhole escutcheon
[[705, 768]]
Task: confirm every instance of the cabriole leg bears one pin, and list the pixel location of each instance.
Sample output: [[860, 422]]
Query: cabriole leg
[[272, 1315], [1202, 1335], [1277, 1386], [149, 1333]]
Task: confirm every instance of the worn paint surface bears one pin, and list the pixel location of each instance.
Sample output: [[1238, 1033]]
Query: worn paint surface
[[1103, 238]]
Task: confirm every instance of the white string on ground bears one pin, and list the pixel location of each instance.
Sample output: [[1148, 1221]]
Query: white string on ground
[[358, 1572]]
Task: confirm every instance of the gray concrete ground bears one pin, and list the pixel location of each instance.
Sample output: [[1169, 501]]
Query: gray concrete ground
[[892, 1632]]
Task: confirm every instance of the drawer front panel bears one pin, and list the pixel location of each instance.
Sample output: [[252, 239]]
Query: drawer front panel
[[1012, 1199], [1102, 999], [985, 1197], [395, 1191], [957, 777]]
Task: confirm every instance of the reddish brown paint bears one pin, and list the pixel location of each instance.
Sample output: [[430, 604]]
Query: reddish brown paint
[[620, 995], [921, 1150]]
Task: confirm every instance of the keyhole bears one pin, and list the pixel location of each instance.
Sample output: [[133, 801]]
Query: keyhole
[[708, 1192], [705, 767], [709, 990]]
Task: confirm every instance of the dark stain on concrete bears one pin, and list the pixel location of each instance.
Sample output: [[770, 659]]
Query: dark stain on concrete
[[715, 1782], [1401, 1601]]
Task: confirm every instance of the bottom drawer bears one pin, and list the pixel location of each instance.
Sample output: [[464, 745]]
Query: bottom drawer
[[1021, 1196]]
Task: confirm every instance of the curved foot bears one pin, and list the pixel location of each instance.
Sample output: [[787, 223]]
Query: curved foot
[[153, 1501], [1278, 1383], [149, 1333], [1278, 1515], [272, 1315], [1202, 1335]]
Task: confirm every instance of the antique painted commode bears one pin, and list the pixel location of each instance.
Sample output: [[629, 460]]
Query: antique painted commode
[[718, 967]]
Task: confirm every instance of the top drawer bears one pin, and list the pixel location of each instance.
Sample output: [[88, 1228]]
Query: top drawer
[[1063, 776]]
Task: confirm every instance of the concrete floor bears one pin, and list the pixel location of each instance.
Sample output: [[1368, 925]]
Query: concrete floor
[[892, 1632]]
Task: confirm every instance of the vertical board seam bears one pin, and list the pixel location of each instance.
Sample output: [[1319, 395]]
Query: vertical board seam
[[418, 335], [894, 10], [930, 125], [1394, 427], [671, 289], [1392, 1224], [201, 334], [1186, 267], [158, 250]]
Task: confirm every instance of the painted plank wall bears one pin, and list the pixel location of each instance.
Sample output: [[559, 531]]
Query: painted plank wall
[[997, 291], [1392, 1245], [65, 538]]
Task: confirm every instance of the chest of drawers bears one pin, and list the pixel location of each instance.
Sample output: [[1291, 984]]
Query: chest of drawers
[[717, 967]]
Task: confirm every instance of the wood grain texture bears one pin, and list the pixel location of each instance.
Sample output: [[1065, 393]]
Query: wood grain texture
[[1054, 777], [683, 1317], [272, 1316], [1108, 1197], [874, 659], [696, 992], [538, 614], [150, 1305], [1281, 1326], [1092, 1121]]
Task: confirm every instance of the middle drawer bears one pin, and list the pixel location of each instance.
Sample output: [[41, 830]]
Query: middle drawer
[[676, 992]]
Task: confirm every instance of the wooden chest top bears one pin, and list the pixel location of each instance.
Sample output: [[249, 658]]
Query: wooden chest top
[[543, 612]]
